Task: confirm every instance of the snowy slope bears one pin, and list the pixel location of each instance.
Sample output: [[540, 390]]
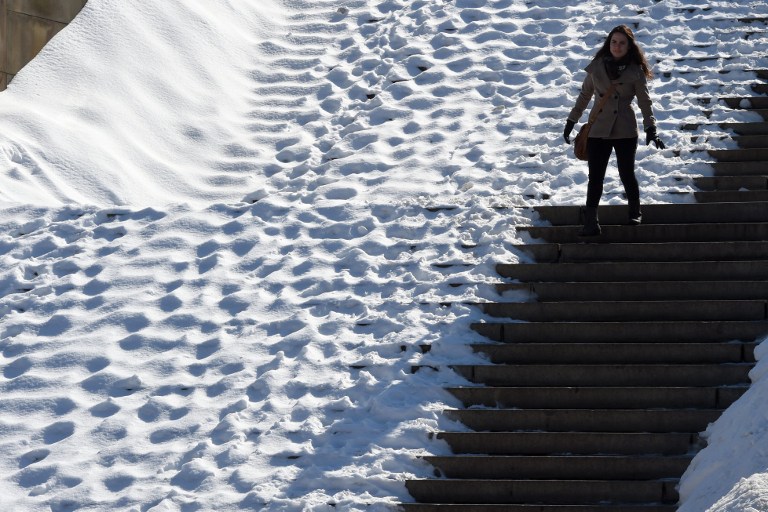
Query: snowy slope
[[227, 229]]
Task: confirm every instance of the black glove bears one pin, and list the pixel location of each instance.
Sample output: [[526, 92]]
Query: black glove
[[650, 136], [568, 129]]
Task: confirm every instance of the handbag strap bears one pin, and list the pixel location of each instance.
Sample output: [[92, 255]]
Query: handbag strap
[[596, 110]]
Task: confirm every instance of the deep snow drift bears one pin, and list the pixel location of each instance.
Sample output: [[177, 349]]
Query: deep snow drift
[[227, 229]]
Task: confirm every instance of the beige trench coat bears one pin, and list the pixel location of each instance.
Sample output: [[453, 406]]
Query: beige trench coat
[[617, 120]]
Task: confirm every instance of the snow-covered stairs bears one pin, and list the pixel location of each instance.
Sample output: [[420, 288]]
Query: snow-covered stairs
[[607, 359], [741, 174]]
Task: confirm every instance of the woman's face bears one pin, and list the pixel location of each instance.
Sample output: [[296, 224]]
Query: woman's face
[[619, 45]]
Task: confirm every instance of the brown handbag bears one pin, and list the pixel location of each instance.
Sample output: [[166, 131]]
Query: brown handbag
[[580, 142]]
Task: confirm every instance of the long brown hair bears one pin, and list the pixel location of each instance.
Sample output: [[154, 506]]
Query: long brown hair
[[634, 52]]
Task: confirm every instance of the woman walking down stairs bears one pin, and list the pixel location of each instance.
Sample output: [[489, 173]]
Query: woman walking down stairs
[[599, 382]]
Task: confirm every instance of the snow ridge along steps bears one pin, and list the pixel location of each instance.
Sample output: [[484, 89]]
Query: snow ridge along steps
[[607, 359]]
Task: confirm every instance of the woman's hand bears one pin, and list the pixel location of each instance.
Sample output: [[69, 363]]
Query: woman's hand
[[651, 136], [568, 129]]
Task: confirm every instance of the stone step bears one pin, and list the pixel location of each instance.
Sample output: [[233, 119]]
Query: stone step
[[740, 155], [654, 233], [740, 168], [577, 443], [633, 291], [727, 80], [452, 507], [561, 467], [724, 113], [752, 141], [595, 375], [747, 103], [553, 492], [629, 271], [705, 13], [622, 332], [629, 311], [712, 60], [617, 353], [730, 31], [731, 196], [586, 420], [648, 252], [689, 81], [750, 128], [715, 76], [721, 183], [614, 397], [660, 214]]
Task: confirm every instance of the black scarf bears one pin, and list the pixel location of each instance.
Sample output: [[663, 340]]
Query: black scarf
[[615, 68]]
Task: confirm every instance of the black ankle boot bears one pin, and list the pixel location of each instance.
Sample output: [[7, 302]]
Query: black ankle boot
[[591, 223], [635, 215]]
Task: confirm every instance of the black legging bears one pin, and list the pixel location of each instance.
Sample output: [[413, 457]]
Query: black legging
[[599, 154]]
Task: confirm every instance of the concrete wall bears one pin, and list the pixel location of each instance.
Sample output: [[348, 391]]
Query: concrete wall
[[26, 26]]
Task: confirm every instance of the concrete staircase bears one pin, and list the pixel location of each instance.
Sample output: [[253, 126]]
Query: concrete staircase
[[610, 355]]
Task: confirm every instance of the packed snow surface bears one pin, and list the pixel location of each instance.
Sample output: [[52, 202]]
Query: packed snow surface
[[228, 228]]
